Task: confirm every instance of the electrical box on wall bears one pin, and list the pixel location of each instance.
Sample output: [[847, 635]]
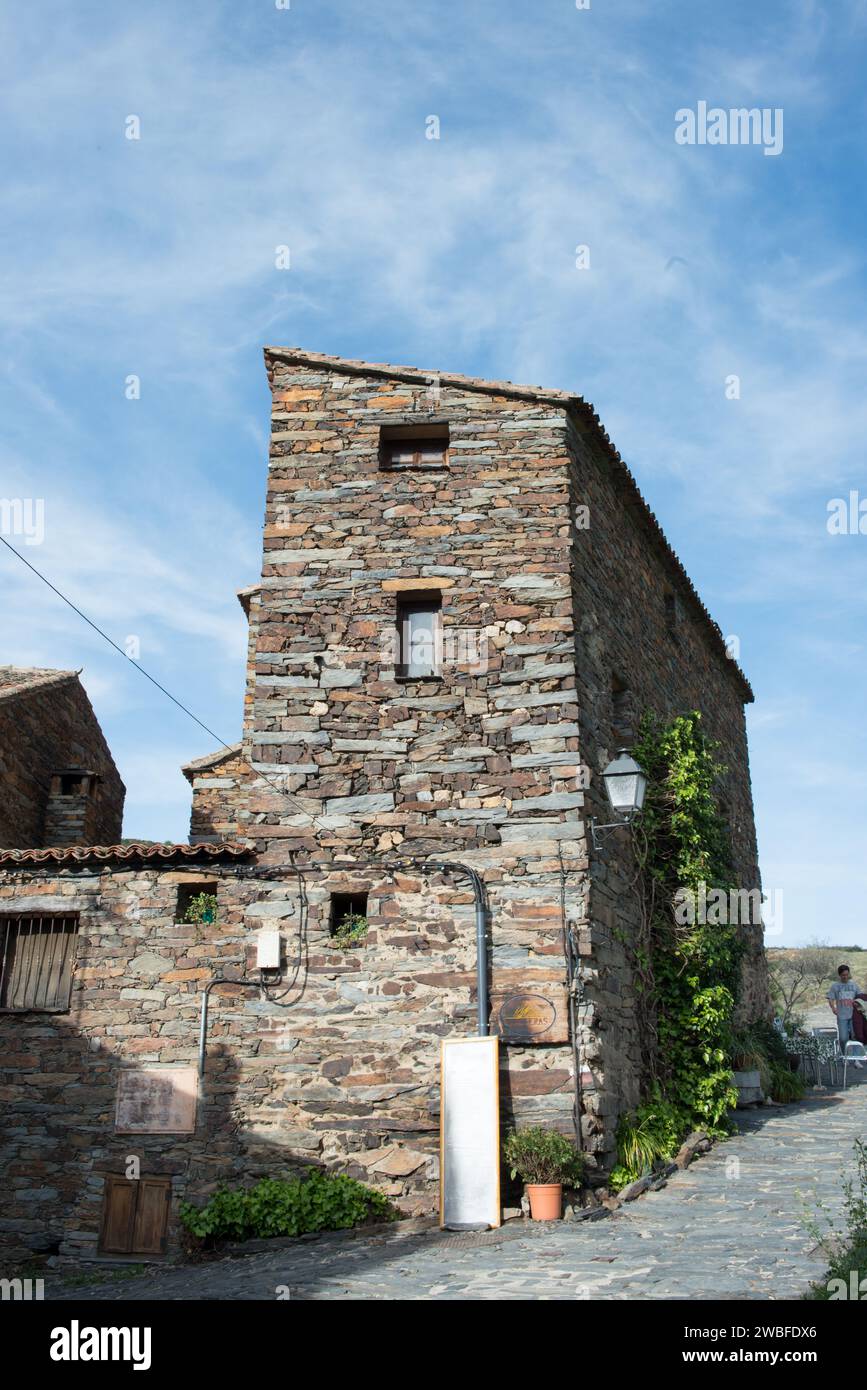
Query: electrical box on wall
[[268, 950]]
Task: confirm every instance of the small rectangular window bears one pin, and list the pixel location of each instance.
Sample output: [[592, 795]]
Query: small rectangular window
[[196, 902], [37, 957], [414, 446], [347, 911], [672, 612], [621, 704], [73, 783], [419, 631]]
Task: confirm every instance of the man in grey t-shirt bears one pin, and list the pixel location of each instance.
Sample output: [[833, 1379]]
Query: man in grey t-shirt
[[841, 999]]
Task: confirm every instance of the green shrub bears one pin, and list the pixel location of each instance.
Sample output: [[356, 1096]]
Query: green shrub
[[286, 1207], [653, 1134], [538, 1155], [784, 1085], [846, 1246]]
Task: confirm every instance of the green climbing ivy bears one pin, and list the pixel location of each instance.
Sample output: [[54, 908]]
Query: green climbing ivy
[[686, 967]]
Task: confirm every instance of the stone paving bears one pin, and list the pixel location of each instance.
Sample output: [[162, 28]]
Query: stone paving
[[719, 1229]]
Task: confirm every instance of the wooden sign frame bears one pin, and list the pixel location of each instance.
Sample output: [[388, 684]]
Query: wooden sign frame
[[469, 1211]]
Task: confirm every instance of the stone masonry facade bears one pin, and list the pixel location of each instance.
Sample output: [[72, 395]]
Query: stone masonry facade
[[565, 615], [48, 731]]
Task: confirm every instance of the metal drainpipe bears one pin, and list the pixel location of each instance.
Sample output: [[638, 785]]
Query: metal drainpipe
[[455, 867], [203, 1024], [481, 938]]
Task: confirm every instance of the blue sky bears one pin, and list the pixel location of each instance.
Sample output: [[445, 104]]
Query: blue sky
[[306, 127]]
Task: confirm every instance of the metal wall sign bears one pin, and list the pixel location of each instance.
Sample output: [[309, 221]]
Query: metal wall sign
[[156, 1100], [469, 1134], [532, 1016]]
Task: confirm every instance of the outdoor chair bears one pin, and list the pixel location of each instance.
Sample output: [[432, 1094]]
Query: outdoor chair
[[854, 1052], [829, 1051], [807, 1048]]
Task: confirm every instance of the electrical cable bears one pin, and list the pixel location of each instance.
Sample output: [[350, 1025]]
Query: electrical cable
[[222, 742]]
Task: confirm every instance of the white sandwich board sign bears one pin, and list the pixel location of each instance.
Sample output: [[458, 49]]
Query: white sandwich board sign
[[470, 1134]]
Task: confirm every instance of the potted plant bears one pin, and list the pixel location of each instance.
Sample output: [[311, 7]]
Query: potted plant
[[749, 1066], [202, 909], [350, 931], [544, 1160]]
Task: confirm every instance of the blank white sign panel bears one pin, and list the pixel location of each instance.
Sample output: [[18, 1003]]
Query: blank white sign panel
[[470, 1133]]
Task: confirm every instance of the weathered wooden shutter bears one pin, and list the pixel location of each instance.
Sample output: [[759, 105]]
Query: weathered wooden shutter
[[118, 1216], [135, 1216], [151, 1216]]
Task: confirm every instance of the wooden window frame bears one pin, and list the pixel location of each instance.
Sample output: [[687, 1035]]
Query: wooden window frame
[[68, 925], [399, 437], [408, 603]]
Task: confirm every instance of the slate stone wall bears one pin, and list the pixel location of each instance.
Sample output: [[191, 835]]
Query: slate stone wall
[[636, 652], [44, 728], [349, 775], [337, 1066]]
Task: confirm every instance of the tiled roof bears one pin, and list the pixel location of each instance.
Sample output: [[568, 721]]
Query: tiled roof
[[580, 408], [85, 854], [17, 680]]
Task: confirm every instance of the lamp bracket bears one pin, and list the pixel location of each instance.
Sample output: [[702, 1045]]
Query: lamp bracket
[[599, 833]]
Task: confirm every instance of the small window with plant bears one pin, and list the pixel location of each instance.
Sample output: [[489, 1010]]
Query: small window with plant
[[348, 921], [197, 903]]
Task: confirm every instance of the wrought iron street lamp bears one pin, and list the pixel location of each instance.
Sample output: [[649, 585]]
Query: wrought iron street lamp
[[625, 785]]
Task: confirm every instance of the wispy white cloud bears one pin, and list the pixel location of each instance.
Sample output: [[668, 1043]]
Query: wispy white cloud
[[307, 127]]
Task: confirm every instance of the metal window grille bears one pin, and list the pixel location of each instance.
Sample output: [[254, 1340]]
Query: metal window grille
[[37, 958]]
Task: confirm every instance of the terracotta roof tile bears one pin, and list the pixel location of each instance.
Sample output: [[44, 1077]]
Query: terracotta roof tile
[[84, 854]]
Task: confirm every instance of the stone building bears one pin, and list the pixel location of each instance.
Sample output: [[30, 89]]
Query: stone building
[[465, 605], [58, 781]]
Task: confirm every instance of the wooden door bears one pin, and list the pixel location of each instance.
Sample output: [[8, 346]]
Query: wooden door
[[135, 1216]]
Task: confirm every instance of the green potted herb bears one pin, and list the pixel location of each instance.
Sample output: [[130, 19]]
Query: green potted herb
[[544, 1159]]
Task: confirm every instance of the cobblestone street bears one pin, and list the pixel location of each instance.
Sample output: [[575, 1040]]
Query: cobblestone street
[[718, 1230]]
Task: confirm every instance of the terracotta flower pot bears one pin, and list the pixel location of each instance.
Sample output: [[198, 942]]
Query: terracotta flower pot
[[546, 1200]]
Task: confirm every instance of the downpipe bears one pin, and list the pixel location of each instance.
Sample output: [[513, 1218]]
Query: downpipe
[[443, 866]]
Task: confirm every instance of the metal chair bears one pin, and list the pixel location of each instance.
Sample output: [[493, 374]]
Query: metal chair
[[853, 1052]]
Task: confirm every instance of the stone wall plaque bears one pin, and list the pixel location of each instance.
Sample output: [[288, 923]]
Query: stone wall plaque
[[531, 1015], [156, 1100]]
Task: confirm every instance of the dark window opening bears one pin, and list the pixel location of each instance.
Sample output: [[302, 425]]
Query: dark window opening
[[187, 892], [37, 958], [414, 446], [672, 612], [419, 636], [345, 907], [73, 783], [621, 712]]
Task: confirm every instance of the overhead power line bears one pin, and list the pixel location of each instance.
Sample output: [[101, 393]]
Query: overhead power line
[[141, 670]]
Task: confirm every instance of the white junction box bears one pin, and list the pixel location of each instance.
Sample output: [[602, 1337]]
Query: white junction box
[[268, 950]]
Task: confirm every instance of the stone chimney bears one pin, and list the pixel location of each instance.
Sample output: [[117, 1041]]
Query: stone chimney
[[70, 814]]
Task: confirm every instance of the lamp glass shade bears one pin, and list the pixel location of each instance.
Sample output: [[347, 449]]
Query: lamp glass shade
[[625, 784]]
